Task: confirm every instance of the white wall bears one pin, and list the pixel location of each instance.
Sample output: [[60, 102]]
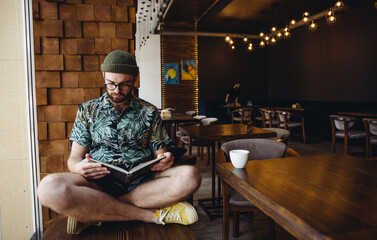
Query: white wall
[[15, 185], [149, 61]]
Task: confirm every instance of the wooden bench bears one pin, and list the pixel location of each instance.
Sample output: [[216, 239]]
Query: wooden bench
[[131, 230]]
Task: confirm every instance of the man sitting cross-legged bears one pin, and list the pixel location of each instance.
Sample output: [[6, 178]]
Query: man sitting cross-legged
[[120, 129]]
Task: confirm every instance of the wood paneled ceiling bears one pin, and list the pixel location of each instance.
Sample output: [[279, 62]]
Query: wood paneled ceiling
[[238, 16]]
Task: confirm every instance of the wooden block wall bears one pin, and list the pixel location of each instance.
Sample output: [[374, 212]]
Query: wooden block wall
[[183, 96], [71, 40]]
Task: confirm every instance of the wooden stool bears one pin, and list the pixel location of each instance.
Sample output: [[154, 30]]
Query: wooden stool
[[133, 230]]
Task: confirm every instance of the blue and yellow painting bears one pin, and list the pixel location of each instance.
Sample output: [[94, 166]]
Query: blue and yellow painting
[[188, 69], [171, 73]]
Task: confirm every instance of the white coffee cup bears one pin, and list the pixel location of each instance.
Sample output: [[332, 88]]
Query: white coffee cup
[[239, 157]]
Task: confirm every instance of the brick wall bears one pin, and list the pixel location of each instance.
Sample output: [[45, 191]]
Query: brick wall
[[71, 40]]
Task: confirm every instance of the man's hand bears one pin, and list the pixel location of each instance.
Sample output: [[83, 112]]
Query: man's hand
[[164, 163], [89, 169]]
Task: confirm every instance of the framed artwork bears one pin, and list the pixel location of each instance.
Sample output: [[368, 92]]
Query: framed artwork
[[171, 73], [188, 69]]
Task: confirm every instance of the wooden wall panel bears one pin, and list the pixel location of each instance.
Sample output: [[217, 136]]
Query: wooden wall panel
[[72, 39], [183, 96]]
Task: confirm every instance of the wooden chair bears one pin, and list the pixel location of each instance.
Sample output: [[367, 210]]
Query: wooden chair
[[284, 121], [268, 118], [370, 125], [259, 149], [242, 115], [192, 142], [341, 128]]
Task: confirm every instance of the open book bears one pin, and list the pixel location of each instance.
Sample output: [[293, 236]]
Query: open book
[[123, 176]]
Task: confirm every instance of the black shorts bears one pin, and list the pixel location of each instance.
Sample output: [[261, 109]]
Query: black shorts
[[117, 189]]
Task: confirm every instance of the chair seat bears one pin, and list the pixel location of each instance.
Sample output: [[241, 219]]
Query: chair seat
[[373, 140], [185, 139], [239, 119], [238, 200], [280, 133], [353, 134]]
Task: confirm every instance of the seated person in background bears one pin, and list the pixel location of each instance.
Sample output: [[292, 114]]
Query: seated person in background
[[120, 129], [233, 94]]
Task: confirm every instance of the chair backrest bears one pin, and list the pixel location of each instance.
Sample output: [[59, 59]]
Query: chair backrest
[[190, 113], [209, 121], [282, 115], [258, 148], [340, 121], [370, 125], [281, 134]]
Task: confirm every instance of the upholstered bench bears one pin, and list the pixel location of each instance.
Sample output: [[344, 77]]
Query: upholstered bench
[[132, 230]]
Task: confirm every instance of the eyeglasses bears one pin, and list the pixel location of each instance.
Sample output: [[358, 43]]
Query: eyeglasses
[[122, 86]]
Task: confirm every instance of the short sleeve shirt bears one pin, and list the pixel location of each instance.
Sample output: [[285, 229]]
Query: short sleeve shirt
[[125, 138]]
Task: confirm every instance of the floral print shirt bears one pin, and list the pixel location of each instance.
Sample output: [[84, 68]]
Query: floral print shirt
[[125, 138]]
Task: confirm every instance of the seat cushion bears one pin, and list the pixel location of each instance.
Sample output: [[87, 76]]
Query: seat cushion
[[280, 133], [353, 134], [237, 199]]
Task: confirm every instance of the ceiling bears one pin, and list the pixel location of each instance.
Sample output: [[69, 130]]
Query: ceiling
[[237, 16]]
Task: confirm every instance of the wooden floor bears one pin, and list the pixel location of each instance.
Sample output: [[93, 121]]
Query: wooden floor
[[256, 227]]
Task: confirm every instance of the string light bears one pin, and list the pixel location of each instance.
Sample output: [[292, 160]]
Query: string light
[[306, 16], [293, 22], [250, 47], [278, 35], [261, 34], [233, 47], [312, 26], [227, 38], [339, 4], [231, 42], [330, 17], [273, 41], [245, 39], [262, 44], [273, 29]]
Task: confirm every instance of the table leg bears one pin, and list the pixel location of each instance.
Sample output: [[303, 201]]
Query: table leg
[[225, 211], [213, 174]]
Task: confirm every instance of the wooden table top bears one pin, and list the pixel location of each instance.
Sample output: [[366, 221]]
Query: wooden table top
[[368, 114], [327, 196], [224, 132]]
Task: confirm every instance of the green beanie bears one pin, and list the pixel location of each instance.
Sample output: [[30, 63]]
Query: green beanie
[[119, 61]]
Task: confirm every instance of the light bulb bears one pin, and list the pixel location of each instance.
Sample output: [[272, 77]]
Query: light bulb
[[233, 47], [231, 41], [286, 29], [293, 22], [261, 34], [305, 19], [279, 35], [245, 39], [273, 29], [262, 44], [287, 35], [249, 48], [227, 38], [306, 14], [330, 17], [266, 38], [273, 41], [312, 26], [339, 4]]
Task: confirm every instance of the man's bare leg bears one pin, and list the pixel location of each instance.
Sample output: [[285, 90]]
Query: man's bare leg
[[73, 195], [169, 187]]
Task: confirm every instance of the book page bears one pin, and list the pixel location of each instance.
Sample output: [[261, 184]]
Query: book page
[[143, 165]]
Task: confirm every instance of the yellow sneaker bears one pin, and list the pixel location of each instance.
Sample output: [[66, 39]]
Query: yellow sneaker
[[75, 227], [182, 213]]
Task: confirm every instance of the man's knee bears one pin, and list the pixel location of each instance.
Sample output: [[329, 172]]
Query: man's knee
[[189, 179], [53, 190]]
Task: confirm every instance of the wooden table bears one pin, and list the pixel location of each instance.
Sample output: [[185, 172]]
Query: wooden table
[[221, 133], [172, 122], [368, 114], [327, 196]]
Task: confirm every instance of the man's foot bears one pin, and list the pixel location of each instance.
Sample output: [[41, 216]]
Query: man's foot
[[182, 213], [75, 227]]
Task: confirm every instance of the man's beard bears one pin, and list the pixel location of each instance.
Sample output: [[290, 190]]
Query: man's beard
[[118, 97]]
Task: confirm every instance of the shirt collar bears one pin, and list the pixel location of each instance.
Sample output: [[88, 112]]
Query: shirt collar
[[106, 104]]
